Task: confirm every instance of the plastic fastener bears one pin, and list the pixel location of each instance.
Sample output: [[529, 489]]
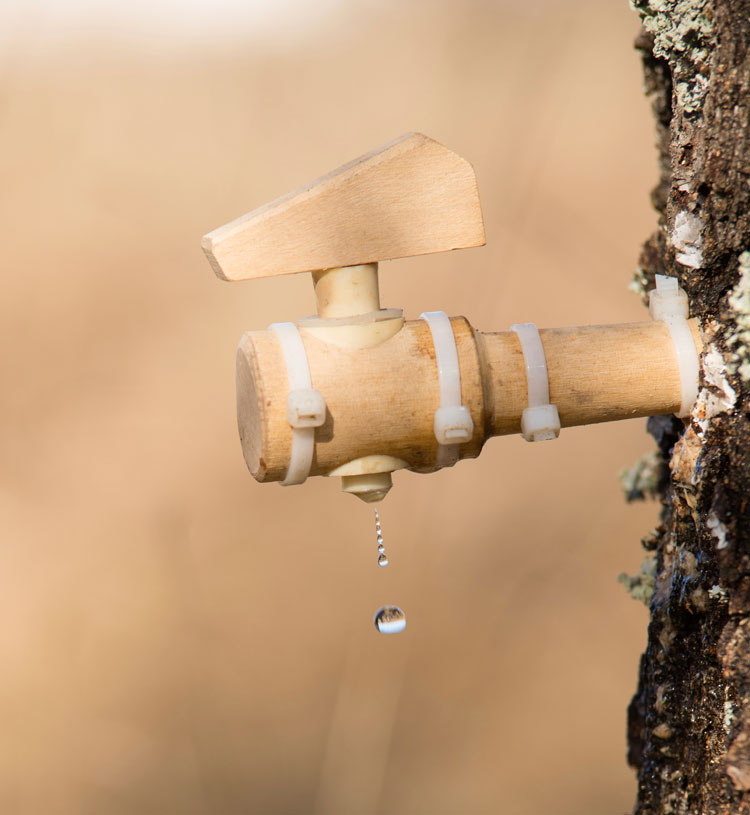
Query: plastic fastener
[[667, 299], [540, 421], [305, 406], [452, 423], [669, 304]]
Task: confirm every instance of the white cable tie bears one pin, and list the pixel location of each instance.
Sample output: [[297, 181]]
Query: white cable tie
[[668, 303], [452, 423], [540, 420], [305, 406]]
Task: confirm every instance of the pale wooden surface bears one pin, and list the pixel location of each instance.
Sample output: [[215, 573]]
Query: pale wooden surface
[[382, 400], [412, 196]]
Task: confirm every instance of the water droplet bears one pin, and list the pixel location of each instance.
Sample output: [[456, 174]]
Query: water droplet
[[390, 620], [382, 557]]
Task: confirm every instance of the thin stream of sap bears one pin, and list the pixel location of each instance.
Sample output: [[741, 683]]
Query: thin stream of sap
[[382, 557], [388, 619]]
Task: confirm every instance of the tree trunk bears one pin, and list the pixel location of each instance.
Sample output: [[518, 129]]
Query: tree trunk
[[689, 722]]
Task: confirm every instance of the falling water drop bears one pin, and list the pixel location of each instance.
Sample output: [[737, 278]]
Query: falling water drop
[[390, 620]]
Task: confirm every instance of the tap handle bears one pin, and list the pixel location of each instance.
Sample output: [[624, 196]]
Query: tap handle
[[412, 196]]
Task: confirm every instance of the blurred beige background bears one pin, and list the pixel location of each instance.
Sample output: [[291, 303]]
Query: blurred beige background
[[179, 639]]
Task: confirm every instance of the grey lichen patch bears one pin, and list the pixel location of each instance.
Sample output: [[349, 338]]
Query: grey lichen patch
[[728, 712], [642, 479], [682, 32], [638, 283], [687, 239], [685, 463], [739, 338], [717, 396], [718, 530], [670, 801], [717, 593], [641, 586]]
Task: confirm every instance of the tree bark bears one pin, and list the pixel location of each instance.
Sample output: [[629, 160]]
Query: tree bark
[[689, 722]]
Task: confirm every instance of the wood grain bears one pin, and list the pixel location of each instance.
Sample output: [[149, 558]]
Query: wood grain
[[412, 196], [382, 400]]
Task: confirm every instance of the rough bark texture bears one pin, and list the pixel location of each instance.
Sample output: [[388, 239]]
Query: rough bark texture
[[689, 722]]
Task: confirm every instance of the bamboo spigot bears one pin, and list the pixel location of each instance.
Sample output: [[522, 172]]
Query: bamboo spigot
[[370, 392], [411, 197]]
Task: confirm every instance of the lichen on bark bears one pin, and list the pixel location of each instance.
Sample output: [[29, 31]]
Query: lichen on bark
[[689, 722], [681, 32]]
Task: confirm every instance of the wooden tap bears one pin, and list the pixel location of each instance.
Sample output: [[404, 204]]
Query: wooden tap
[[411, 197], [378, 374]]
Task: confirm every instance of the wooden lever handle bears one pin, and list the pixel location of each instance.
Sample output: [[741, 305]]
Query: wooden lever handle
[[412, 196]]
